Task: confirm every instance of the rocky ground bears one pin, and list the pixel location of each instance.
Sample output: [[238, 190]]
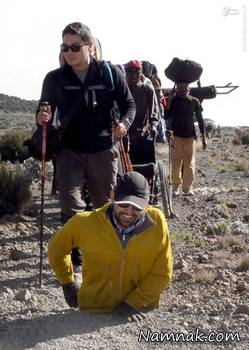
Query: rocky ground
[[209, 291]]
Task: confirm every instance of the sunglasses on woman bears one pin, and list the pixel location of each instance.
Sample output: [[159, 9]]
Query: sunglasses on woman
[[73, 47]]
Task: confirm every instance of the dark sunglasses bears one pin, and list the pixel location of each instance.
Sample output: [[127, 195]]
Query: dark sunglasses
[[73, 48], [126, 205]]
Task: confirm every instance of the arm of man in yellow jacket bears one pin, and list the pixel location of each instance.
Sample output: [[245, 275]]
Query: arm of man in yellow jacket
[[59, 250]]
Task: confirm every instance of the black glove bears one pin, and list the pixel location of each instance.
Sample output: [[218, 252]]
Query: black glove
[[130, 314], [169, 133], [70, 291], [153, 133]]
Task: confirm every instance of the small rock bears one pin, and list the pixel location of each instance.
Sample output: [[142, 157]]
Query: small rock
[[214, 313], [246, 218], [242, 309], [218, 294], [214, 319], [185, 324], [189, 306], [180, 264], [203, 259], [239, 228], [225, 325], [16, 254], [184, 276], [24, 295], [232, 205], [21, 226], [221, 276], [237, 249], [7, 292], [241, 286]]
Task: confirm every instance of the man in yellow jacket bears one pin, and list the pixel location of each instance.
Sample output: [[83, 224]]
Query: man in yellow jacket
[[127, 257]]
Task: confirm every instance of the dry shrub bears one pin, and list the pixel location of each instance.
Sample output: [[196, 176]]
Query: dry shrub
[[222, 259], [12, 148], [243, 265], [245, 139], [236, 142], [241, 166], [204, 276], [15, 192], [228, 241]]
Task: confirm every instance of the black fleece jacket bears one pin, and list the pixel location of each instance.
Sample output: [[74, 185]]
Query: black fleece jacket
[[182, 113], [90, 127]]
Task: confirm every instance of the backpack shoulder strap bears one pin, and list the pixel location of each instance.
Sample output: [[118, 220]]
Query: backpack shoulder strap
[[106, 72]]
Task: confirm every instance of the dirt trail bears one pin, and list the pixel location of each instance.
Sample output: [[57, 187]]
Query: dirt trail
[[207, 293]]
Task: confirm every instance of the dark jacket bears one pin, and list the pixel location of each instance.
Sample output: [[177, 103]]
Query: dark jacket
[[146, 115], [183, 112], [90, 128]]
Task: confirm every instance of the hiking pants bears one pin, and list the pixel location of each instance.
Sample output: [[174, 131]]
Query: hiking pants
[[73, 168], [183, 162]]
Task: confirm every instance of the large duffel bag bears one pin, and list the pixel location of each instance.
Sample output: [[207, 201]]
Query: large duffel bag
[[186, 71], [203, 92]]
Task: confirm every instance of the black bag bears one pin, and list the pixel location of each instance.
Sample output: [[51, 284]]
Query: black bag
[[203, 92], [183, 71], [53, 146]]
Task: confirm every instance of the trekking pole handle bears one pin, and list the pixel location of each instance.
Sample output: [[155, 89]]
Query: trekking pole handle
[[44, 142]]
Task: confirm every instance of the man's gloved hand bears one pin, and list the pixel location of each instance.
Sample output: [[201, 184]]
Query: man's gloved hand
[[130, 314], [169, 133], [153, 133], [70, 291]]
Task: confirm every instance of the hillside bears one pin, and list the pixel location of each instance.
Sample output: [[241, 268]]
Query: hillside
[[12, 104], [16, 113]]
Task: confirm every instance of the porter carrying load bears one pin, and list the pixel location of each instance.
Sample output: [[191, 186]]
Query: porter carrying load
[[183, 71]]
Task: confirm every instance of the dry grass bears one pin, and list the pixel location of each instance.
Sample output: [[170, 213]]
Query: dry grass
[[204, 276], [222, 258], [228, 241], [241, 165], [243, 265]]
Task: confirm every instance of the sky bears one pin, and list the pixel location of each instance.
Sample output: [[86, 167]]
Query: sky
[[212, 32]]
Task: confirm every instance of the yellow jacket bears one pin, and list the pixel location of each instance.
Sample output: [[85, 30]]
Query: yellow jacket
[[112, 275]]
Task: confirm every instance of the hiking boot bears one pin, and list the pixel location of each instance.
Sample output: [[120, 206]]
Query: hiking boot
[[188, 193]]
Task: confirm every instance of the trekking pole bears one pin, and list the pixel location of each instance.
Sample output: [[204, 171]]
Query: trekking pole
[[170, 177], [170, 163], [124, 157], [43, 175]]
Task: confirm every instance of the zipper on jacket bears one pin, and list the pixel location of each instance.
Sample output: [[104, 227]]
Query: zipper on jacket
[[122, 270]]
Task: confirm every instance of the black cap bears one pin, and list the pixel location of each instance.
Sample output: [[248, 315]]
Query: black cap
[[132, 188]]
